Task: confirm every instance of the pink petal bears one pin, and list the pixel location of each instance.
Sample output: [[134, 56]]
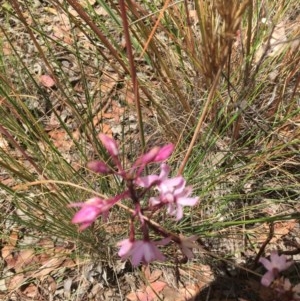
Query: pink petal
[[280, 262], [171, 183], [167, 197], [147, 181], [158, 255], [110, 144], [154, 201], [125, 247], [164, 171], [267, 278], [275, 258], [90, 211], [163, 241], [179, 214], [148, 157], [137, 253], [266, 263], [149, 252], [99, 167], [182, 191], [171, 209], [164, 153], [86, 214], [288, 264], [152, 252], [95, 201]]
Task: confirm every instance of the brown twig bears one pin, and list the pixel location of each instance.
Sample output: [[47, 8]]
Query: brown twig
[[262, 248], [132, 72]]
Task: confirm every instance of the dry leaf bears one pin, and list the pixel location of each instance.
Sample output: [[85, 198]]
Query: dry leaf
[[151, 276], [6, 251], [188, 292], [61, 140], [24, 259], [68, 263], [132, 296], [276, 45], [149, 294], [46, 243], [31, 291], [48, 267], [155, 275], [108, 82], [118, 112], [15, 282], [13, 238], [153, 289], [61, 30], [50, 10], [106, 129], [129, 97], [170, 294], [146, 271], [7, 255], [52, 285]]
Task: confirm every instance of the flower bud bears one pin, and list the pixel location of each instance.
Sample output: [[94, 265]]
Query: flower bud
[[110, 144], [99, 167], [164, 153]]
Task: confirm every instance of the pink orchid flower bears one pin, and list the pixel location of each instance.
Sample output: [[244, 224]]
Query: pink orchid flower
[[173, 192], [141, 251], [90, 211], [181, 199], [275, 265], [187, 244]]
